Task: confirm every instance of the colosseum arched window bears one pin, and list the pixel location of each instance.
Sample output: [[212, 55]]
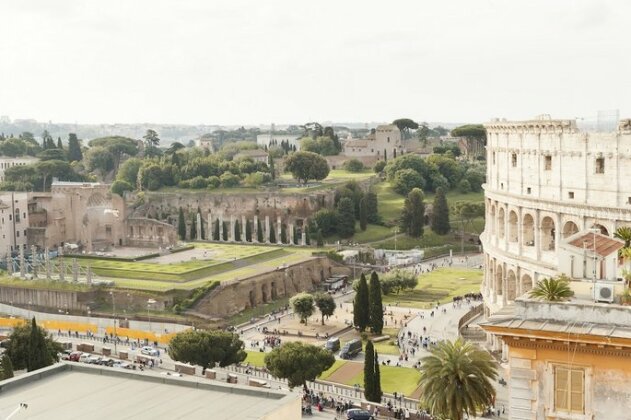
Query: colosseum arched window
[[528, 231], [602, 229], [492, 220], [569, 229], [500, 224], [511, 286], [547, 234], [512, 227], [498, 280], [526, 283]]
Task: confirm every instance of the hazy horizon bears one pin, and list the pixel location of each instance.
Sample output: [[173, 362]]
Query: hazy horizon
[[251, 63]]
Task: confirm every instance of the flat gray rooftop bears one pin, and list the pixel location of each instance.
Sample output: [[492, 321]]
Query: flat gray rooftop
[[81, 392]]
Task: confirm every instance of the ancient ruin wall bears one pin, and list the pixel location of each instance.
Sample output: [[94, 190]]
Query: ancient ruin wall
[[234, 297]]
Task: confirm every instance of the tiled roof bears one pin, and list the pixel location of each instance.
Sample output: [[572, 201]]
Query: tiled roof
[[604, 244]]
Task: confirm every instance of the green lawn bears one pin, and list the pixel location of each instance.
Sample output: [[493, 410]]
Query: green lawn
[[393, 379], [255, 358], [440, 285], [338, 364], [371, 234], [388, 346]]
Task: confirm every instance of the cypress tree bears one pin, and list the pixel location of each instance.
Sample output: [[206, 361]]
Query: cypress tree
[[272, 233], [369, 371], [259, 231], [346, 218], [60, 144], [201, 223], [272, 169], [307, 237], [361, 314], [363, 214], [181, 225], [378, 392], [216, 230], [248, 231], [193, 234], [440, 213], [283, 234], [376, 307], [237, 231], [6, 367], [38, 355], [413, 214], [224, 231], [295, 238], [372, 208], [319, 238]]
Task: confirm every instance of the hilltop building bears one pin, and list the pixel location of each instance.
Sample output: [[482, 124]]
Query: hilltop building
[[382, 143], [9, 162]]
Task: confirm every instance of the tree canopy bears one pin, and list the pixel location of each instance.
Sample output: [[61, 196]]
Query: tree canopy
[[303, 305], [207, 348], [31, 348], [298, 362], [326, 304], [305, 166]]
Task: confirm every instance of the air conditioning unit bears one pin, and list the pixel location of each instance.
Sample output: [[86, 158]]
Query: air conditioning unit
[[604, 292]]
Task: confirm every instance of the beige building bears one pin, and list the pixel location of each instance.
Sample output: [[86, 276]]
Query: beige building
[[14, 221], [257, 155], [384, 143], [546, 181], [9, 162]]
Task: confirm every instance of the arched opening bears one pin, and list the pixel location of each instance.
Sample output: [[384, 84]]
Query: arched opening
[[252, 299], [492, 220], [264, 293], [603, 230], [274, 291], [511, 286], [526, 283], [547, 234], [498, 280], [569, 229], [500, 224], [528, 231], [512, 227]]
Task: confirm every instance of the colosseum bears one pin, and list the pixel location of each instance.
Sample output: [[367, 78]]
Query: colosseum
[[547, 180]]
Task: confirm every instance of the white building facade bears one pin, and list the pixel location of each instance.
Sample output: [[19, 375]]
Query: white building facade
[[13, 221], [547, 181], [9, 162]]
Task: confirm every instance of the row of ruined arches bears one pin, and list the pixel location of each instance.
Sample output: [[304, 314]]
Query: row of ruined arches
[[547, 228]]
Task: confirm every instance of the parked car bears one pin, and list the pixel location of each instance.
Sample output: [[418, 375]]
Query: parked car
[[74, 356], [84, 357], [150, 351], [94, 360], [106, 361], [65, 355], [351, 349], [358, 414], [332, 344]]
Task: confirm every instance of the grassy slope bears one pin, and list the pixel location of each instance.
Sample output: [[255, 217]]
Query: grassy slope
[[393, 379], [439, 285]]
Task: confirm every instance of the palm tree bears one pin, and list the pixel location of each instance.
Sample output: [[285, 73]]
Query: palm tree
[[552, 289], [457, 379], [624, 233]]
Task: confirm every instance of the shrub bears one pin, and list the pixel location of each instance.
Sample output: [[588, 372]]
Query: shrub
[[229, 180], [379, 166], [464, 186], [198, 182], [214, 182], [119, 187], [407, 179], [354, 165]]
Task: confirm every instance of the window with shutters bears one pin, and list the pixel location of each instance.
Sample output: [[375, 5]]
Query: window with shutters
[[569, 390]]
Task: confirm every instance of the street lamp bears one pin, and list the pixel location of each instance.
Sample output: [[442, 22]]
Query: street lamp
[[149, 303], [114, 311]]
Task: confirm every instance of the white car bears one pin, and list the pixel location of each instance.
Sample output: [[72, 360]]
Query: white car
[[149, 351]]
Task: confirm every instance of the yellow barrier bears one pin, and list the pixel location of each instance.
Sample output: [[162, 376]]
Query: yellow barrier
[[140, 335], [64, 326], [11, 322]]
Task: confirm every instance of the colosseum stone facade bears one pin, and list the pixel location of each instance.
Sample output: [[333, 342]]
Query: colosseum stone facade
[[546, 180]]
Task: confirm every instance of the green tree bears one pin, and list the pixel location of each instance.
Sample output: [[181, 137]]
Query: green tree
[[361, 305], [207, 348], [376, 306], [319, 238], [193, 234], [555, 289], [363, 214], [216, 232], [326, 221], [474, 136], [326, 304], [413, 214], [181, 224], [405, 125], [303, 305], [405, 180], [372, 208], [6, 367], [224, 231], [60, 145], [354, 165], [201, 223], [272, 233], [151, 138], [119, 187], [118, 146], [440, 213], [31, 348], [272, 167], [397, 280], [52, 154], [457, 379], [128, 171], [379, 166], [624, 233], [305, 166], [372, 376], [99, 159], [259, 231], [298, 362], [74, 148], [237, 231], [345, 218], [248, 231], [283, 233]]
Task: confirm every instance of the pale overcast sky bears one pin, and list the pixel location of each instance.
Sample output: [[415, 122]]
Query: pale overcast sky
[[292, 61]]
